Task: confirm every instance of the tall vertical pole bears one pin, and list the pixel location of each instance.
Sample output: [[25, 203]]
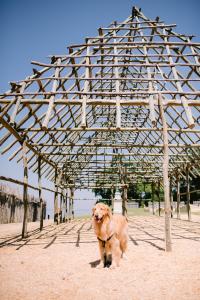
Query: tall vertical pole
[[171, 197], [40, 193], [25, 191], [70, 205], [124, 201], [61, 206], [112, 198], [66, 205], [159, 198], [56, 197], [72, 202], [168, 243], [152, 197], [188, 192], [178, 195]]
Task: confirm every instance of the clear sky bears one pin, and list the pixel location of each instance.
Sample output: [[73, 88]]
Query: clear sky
[[34, 29]]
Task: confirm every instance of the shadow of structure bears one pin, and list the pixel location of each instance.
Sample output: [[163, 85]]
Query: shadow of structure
[[142, 230]]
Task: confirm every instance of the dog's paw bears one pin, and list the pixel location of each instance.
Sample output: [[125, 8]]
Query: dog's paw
[[124, 256], [114, 266], [100, 266]]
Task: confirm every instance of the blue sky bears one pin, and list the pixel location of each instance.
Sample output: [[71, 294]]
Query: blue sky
[[32, 30]]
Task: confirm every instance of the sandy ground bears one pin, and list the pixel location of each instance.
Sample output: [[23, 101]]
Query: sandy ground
[[61, 262]]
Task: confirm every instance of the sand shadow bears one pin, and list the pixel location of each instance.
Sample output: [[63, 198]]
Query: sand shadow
[[95, 263]]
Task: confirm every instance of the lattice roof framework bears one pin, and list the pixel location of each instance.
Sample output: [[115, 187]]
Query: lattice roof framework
[[96, 112]]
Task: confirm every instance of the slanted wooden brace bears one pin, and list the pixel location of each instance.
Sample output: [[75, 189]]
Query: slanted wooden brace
[[16, 107], [149, 76], [86, 87], [117, 85], [179, 88], [52, 98]]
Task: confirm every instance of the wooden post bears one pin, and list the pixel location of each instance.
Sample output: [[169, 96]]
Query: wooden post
[[72, 203], [168, 243], [124, 201], [66, 207], [171, 197], [152, 197], [25, 191], [40, 193], [112, 198], [159, 198], [178, 195], [56, 198], [61, 207], [188, 192]]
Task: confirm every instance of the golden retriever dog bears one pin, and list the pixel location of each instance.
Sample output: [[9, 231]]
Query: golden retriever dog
[[112, 234]]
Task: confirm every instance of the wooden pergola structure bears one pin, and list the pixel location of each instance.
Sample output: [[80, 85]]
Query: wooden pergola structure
[[122, 107]]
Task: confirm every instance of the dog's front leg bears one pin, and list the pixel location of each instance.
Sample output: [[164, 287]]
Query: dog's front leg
[[102, 255], [108, 255]]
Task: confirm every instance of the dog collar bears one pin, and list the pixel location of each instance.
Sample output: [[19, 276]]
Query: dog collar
[[105, 241]]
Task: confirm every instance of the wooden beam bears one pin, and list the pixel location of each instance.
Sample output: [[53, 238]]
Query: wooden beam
[[117, 87], [52, 98], [20, 139], [86, 89], [8, 179], [168, 243]]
